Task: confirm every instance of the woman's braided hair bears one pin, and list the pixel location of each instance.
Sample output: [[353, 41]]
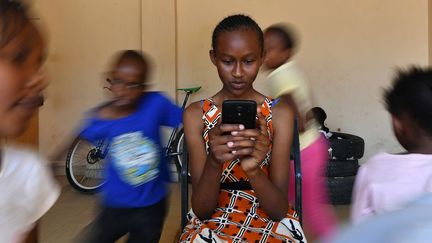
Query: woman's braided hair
[[237, 22]]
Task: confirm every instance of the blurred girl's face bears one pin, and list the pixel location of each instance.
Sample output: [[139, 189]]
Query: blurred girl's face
[[21, 80], [276, 52]]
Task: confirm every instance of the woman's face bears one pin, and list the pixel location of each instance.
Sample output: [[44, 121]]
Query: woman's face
[[238, 58], [21, 80]]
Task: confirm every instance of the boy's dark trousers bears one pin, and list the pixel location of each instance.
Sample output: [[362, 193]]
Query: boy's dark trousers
[[143, 224]]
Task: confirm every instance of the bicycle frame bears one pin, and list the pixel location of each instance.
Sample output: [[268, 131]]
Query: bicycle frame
[[169, 151]]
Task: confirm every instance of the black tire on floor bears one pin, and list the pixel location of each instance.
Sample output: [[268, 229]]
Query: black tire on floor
[[341, 168], [340, 189], [346, 146]]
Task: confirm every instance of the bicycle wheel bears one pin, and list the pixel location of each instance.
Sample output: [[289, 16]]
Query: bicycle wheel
[[84, 166], [178, 145]]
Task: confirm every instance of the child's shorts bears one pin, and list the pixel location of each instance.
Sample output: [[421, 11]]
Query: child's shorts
[[143, 224]]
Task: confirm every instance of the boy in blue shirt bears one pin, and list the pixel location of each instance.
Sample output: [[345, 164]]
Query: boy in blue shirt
[[134, 193]]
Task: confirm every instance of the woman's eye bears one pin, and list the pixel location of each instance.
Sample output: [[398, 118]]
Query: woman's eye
[[249, 61], [227, 62]]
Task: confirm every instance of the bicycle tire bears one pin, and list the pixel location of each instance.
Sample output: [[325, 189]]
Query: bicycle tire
[[84, 167], [178, 149], [178, 145]]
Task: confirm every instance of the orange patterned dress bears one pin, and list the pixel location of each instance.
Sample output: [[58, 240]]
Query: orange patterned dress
[[238, 216]]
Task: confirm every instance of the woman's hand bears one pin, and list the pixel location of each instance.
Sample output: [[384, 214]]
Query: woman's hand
[[254, 145], [221, 142]]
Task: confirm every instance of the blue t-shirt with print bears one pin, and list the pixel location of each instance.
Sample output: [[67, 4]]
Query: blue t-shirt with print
[[136, 167]]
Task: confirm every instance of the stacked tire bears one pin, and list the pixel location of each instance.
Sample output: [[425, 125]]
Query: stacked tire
[[344, 153]]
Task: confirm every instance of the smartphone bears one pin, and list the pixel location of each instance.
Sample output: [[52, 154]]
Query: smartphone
[[239, 112]]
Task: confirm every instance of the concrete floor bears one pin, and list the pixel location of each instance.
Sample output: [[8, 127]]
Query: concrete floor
[[73, 211]]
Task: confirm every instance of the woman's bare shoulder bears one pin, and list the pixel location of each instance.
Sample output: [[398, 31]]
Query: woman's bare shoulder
[[193, 113], [282, 112], [194, 108], [281, 107]]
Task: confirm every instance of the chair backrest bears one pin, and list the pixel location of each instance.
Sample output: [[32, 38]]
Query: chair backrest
[[295, 153], [184, 185]]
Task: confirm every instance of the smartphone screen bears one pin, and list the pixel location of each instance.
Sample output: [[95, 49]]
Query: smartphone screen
[[239, 112]]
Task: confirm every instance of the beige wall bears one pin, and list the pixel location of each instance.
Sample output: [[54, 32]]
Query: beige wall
[[159, 41], [83, 37], [349, 50]]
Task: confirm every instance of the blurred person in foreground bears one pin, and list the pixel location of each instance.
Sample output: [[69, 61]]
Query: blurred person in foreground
[[287, 82], [411, 223], [27, 187], [134, 195], [388, 181]]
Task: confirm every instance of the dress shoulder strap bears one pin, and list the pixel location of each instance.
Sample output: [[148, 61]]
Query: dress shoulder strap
[[211, 113]]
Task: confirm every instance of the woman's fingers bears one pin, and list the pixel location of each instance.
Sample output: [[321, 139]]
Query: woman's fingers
[[249, 133], [242, 152], [225, 139], [232, 141], [228, 128], [244, 143], [226, 148], [259, 138], [223, 145]]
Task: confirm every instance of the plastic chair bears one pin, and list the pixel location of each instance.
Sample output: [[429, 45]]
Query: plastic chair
[[295, 155]]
